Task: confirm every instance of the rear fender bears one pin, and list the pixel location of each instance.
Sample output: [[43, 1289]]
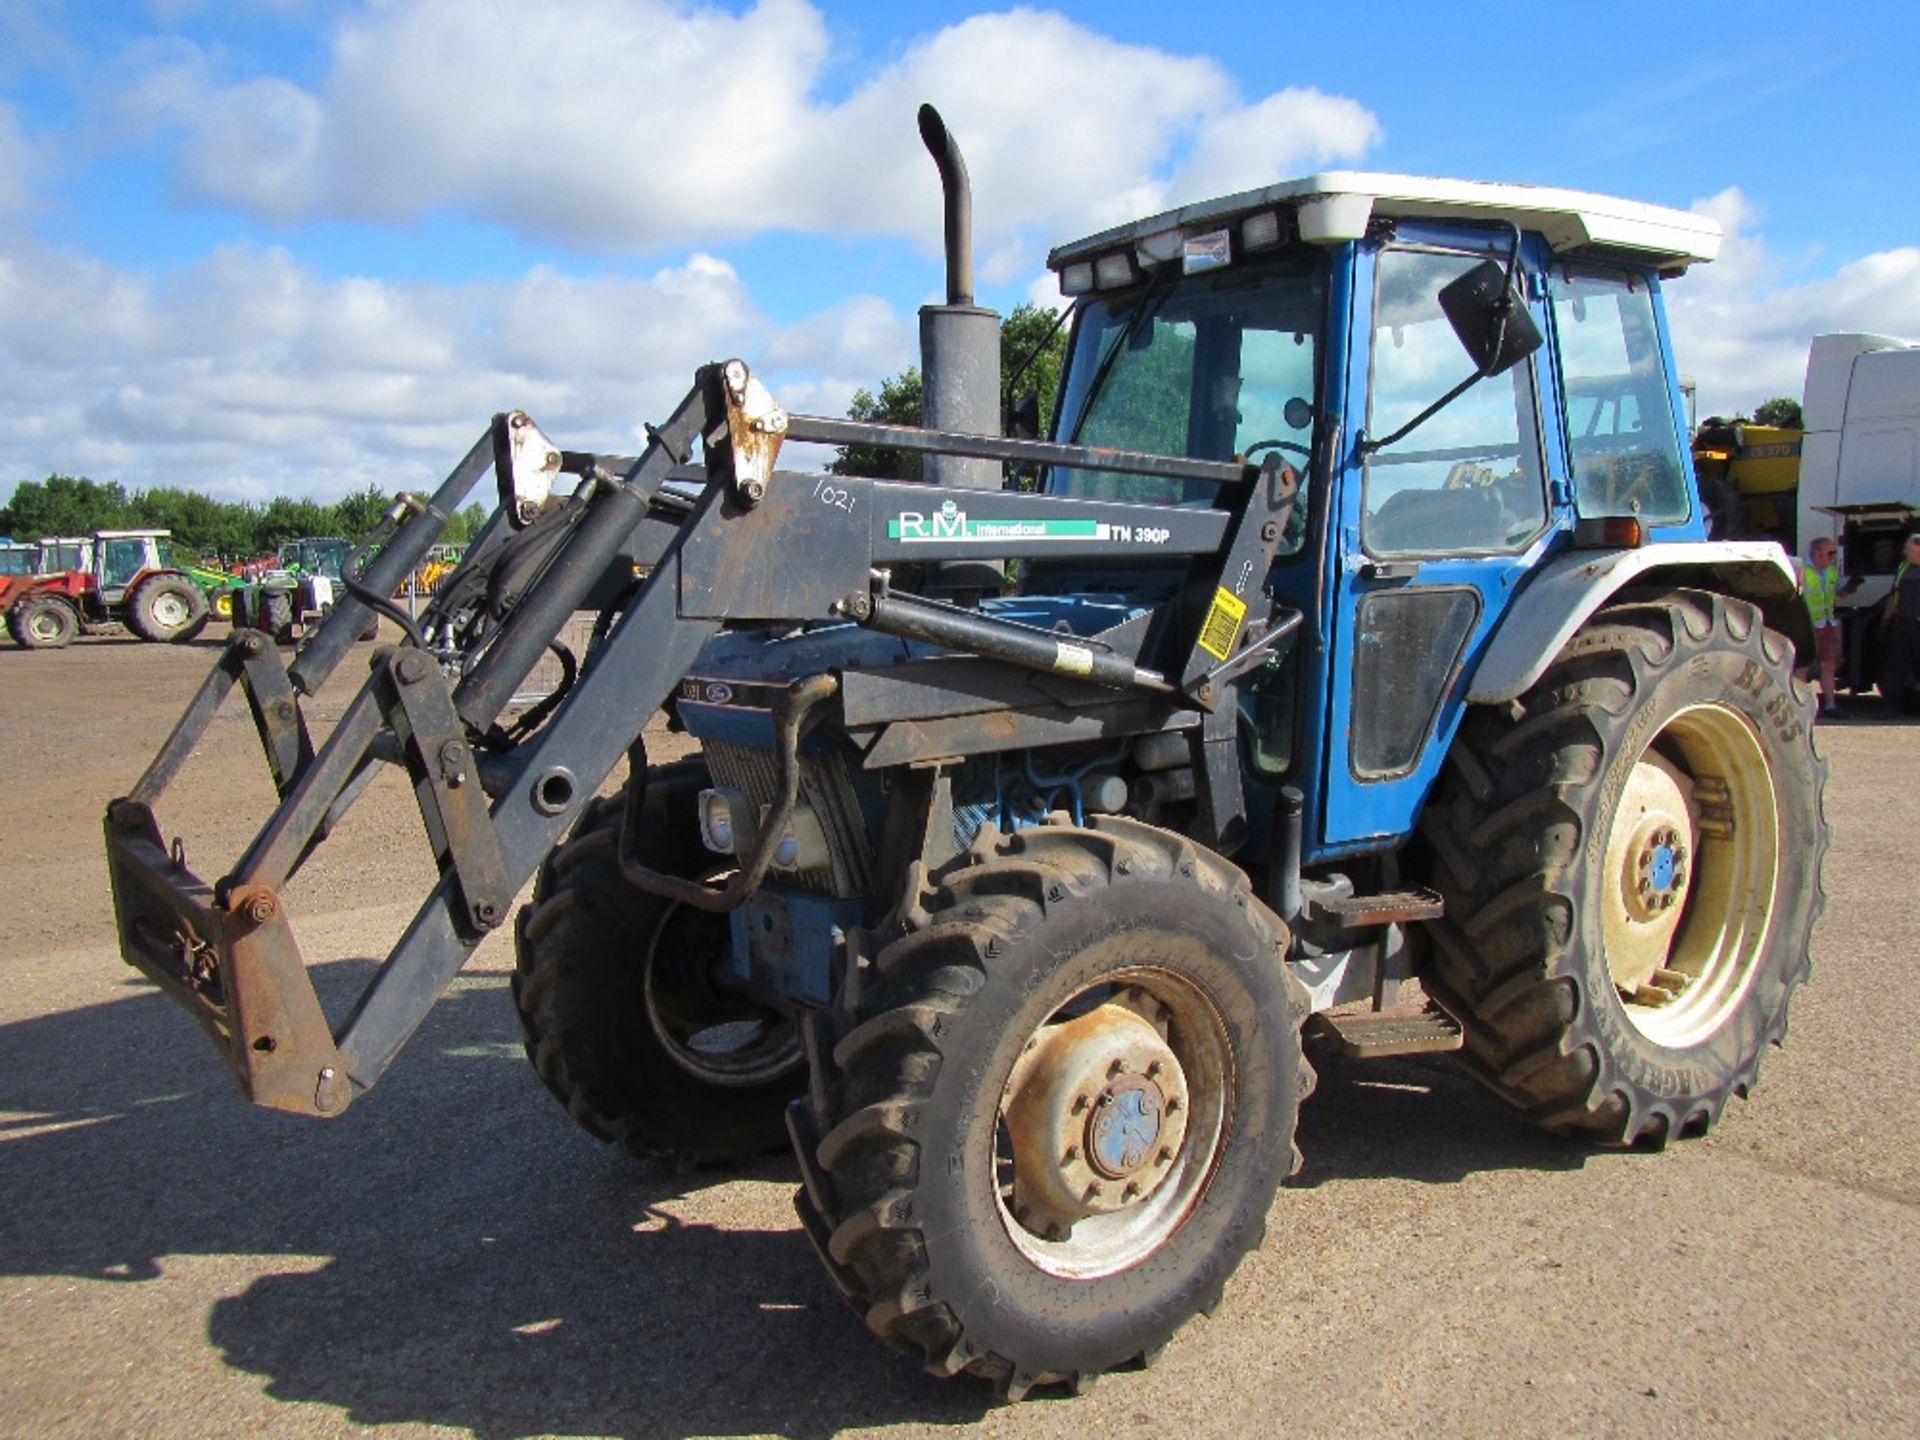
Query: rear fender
[[1564, 593]]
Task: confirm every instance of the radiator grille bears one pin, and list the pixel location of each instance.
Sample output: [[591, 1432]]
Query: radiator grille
[[826, 789]]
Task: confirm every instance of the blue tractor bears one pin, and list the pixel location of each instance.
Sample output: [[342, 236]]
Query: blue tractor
[[1358, 674]]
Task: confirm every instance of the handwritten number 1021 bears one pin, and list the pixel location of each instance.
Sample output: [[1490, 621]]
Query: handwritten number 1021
[[838, 496]]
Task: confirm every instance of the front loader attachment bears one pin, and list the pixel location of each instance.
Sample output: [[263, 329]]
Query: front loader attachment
[[226, 950], [666, 554]]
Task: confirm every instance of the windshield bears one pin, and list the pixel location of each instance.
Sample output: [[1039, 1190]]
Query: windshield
[[1202, 367]]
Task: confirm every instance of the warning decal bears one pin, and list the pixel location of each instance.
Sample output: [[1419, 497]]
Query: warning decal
[[1223, 624]]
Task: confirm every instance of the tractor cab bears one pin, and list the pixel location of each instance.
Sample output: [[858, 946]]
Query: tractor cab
[[122, 558], [17, 558], [1343, 322], [323, 556], [61, 554]]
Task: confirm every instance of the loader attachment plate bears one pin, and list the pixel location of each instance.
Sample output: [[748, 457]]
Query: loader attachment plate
[[231, 961]]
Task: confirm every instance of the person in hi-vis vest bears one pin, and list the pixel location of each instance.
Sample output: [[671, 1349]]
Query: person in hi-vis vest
[[1822, 586]]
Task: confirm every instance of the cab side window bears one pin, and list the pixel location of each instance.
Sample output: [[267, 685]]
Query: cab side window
[[1621, 437], [122, 561], [1469, 480]]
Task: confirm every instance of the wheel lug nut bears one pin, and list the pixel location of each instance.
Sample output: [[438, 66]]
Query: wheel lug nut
[[1132, 1192], [1080, 1102], [1156, 1069], [1118, 1067], [1165, 1155], [1091, 1194], [1173, 1103], [1073, 1154]]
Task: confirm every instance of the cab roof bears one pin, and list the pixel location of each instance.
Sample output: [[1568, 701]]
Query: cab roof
[[1339, 204]]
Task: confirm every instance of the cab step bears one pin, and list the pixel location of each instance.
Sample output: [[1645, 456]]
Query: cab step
[[1390, 907], [1376, 1034]]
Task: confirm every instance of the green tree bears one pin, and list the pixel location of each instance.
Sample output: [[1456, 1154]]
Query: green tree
[[463, 525], [1782, 410], [1032, 352], [65, 505], [357, 514], [898, 403]]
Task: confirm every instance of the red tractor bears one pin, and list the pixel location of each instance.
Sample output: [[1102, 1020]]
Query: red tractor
[[125, 577]]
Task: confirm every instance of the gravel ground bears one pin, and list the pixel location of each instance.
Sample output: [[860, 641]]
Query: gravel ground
[[454, 1257]]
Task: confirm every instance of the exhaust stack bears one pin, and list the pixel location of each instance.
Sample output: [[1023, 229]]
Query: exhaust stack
[[958, 193], [959, 341]]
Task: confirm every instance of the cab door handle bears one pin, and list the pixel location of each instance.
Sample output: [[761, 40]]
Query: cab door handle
[[1389, 570]]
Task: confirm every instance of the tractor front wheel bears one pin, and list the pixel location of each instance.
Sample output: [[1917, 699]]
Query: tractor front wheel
[[276, 615], [1631, 862], [618, 1004], [44, 622], [1062, 1108], [167, 609]]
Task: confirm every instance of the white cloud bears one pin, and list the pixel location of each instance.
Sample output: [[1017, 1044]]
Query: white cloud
[[18, 160], [1742, 324], [627, 124], [1286, 134], [248, 374]]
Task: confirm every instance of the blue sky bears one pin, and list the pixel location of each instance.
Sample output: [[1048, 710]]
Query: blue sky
[[268, 246]]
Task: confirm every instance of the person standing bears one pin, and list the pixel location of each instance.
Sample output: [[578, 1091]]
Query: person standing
[[1822, 587], [1900, 637]]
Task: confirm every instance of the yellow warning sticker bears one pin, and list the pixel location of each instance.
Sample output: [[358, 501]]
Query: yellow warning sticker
[[1223, 624]]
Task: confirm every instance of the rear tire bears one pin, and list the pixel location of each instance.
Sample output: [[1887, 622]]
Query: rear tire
[[1631, 862], [167, 609], [276, 615], [996, 1192], [43, 622], [617, 1010]]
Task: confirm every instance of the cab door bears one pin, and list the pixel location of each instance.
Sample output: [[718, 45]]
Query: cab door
[[1436, 530]]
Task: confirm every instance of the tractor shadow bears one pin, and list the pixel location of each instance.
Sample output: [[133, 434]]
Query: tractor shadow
[[454, 1252], [1418, 1118]]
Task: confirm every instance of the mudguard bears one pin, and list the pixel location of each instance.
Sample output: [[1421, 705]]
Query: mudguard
[[1560, 597]]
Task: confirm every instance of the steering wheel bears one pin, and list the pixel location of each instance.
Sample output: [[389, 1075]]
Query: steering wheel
[[1292, 445]]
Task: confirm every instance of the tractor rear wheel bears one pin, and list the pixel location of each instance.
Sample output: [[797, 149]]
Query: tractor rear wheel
[[167, 608], [44, 622], [276, 615], [1062, 1108], [618, 1007], [1631, 862]]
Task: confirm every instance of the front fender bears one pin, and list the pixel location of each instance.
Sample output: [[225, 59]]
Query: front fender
[[1565, 592]]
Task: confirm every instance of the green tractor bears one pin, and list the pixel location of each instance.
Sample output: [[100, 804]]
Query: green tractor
[[305, 584]]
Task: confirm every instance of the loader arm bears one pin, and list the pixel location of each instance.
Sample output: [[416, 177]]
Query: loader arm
[[493, 802]]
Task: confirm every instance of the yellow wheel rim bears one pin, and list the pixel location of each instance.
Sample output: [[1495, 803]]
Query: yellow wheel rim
[[1691, 870]]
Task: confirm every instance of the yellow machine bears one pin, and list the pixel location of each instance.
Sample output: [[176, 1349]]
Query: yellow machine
[[1749, 480]]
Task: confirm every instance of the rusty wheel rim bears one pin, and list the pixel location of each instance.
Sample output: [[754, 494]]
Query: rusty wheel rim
[[1112, 1123]]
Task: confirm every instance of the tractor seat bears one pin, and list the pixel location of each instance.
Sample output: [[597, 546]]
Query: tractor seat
[[1420, 522]]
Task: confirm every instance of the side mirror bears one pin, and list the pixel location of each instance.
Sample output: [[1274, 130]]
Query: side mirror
[[1490, 318], [1023, 417]]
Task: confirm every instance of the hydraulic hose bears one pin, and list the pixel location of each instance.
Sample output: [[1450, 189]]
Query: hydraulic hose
[[800, 701]]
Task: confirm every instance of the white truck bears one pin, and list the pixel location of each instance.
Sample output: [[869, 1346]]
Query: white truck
[[1860, 471]]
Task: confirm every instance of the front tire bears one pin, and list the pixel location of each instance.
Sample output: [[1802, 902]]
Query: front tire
[[43, 622], [1631, 862], [618, 1010], [1062, 1110], [167, 609]]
